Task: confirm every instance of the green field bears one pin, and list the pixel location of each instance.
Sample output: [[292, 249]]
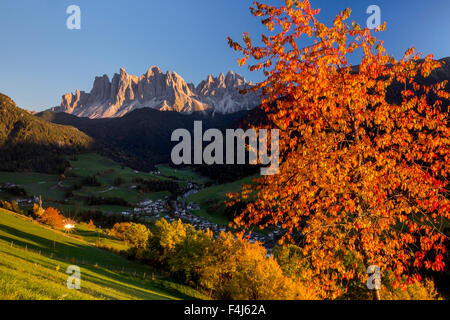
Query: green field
[[107, 171], [35, 183], [89, 164], [182, 174], [97, 237], [33, 261], [215, 197], [53, 188]]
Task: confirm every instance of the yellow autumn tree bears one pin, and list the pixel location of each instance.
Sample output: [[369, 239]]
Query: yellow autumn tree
[[133, 234], [38, 211]]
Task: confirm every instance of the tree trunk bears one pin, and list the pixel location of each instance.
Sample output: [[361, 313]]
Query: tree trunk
[[376, 294]]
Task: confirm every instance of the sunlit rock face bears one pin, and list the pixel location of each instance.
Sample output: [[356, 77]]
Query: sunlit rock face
[[158, 90]]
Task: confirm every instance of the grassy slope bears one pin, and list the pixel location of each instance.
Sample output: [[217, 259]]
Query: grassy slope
[[107, 172], [90, 164], [184, 174], [216, 194], [33, 261], [34, 183], [87, 165], [97, 237]]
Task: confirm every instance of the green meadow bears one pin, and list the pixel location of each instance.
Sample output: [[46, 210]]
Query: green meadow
[[212, 200], [53, 188], [34, 260], [183, 174]]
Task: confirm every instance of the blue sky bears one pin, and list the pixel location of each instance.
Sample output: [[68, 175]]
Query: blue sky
[[40, 59]]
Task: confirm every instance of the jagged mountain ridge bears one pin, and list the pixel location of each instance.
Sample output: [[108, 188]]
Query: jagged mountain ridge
[[161, 91]]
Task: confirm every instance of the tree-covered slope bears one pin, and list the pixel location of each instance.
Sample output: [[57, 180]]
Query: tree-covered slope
[[30, 143]]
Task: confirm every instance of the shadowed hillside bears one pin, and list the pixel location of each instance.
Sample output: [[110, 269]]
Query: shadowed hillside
[[31, 143], [141, 138]]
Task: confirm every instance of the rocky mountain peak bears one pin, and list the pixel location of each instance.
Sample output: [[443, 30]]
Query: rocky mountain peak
[[152, 71], [163, 91]]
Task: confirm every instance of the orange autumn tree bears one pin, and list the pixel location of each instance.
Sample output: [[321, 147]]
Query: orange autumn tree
[[53, 218], [361, 175]]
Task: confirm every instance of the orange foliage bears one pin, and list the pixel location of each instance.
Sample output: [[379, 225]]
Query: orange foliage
[[91, 225], [53, 218], [360, 173]]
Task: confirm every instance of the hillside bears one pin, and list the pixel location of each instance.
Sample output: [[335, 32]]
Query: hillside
[[34, 260], [141, 138], [71, 194], [31, 143]]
